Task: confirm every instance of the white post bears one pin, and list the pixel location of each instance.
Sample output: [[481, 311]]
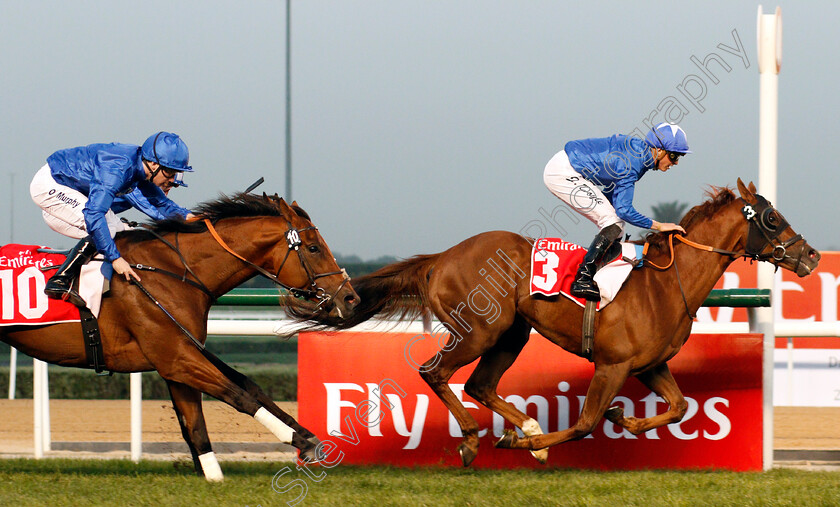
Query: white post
[[37, 393], [12, 373], [136, 395], [790, 371], [45, 408], [769, 35]]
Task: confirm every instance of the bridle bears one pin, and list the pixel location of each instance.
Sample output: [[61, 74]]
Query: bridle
[[294, 242], [766, 225]]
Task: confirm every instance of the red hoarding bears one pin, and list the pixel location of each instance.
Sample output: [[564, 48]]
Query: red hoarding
[[357, 390], [810, 299]]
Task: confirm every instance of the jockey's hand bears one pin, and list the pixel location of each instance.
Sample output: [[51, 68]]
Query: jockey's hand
[[122, 267], [666, 227]]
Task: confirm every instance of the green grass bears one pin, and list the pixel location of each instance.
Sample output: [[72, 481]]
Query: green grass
[[58, 482]]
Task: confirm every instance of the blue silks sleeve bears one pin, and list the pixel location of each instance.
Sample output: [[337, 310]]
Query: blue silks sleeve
[[99, 203], [137, 200], [160, 202], [622, 201]]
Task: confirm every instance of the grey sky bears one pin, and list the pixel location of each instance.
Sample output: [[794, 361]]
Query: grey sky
[[416, 124]]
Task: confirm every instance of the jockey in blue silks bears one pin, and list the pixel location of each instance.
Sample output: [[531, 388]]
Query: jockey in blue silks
[[615, 164], [78, 186]]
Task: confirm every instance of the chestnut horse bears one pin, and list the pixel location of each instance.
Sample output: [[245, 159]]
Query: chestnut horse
[[636, 335], [255, 234]]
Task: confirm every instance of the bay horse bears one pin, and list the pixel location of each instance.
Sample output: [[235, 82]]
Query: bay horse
[[252, 234], [636, 334]]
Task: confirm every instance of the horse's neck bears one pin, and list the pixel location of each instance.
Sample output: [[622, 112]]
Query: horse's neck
[[219, 270], [699, 269]]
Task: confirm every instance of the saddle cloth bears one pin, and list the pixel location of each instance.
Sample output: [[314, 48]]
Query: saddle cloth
[[22, 298], [554, 263]]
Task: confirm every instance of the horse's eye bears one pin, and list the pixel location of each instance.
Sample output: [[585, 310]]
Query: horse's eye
[[314, 249]]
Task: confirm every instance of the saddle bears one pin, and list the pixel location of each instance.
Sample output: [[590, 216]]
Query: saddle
[[24, 268], [554, 263], [90, 324]]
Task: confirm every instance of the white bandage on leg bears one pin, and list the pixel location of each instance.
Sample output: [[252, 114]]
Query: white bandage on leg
[[275, 425], [531, 427], [212, 470]]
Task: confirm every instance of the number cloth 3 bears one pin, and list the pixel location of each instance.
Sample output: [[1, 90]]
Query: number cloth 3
[[554, 263]]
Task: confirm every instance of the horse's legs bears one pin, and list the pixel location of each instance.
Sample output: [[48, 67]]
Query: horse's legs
[[660, 381], [439, 369], [304, 440], [189, 366], [485, 378], [187, 404], [605, 384]]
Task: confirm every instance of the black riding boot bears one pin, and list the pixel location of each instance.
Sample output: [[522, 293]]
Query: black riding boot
[[584, 285], [60, 286]]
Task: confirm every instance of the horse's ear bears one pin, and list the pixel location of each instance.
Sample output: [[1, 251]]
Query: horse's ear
[[294, 203], [748, 194], [283, 206]]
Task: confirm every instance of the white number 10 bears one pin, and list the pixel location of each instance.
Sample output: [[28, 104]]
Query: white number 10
[[24, 295]]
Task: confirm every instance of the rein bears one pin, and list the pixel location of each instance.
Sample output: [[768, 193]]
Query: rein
[[698, 246], [294, 243], [673, 262]]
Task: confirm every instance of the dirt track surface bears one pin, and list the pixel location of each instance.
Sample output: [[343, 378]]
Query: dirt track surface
[[108, 421]]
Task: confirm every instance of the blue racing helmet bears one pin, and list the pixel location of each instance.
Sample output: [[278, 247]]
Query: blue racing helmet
[[668, 137], [168, 150]]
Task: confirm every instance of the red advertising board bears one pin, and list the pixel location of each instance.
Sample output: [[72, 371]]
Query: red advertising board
[[357, 390], [809, 299]]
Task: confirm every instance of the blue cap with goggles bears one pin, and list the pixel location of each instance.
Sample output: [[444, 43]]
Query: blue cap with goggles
[[668, 137], [168, 150]]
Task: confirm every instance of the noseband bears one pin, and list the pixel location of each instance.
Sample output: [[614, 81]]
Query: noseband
[[766, 225], [294, 242]]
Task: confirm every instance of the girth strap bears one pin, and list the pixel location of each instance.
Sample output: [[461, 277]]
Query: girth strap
[[93, 342], [588, 341]]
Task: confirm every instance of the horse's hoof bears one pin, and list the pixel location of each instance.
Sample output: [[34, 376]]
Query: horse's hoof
[[313, 453], [614, 414], [541, 455], [467, 453], [507, 440]]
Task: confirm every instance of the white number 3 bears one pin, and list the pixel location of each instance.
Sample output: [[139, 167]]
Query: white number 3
[[548, 278]]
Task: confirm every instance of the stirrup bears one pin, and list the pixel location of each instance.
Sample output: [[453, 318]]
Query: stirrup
[[69, 295]]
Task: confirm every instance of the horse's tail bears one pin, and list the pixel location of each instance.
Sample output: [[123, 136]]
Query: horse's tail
[[397, 291]]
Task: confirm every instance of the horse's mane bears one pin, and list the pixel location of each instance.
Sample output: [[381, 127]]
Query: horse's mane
[[225, 206], [718, 197]]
